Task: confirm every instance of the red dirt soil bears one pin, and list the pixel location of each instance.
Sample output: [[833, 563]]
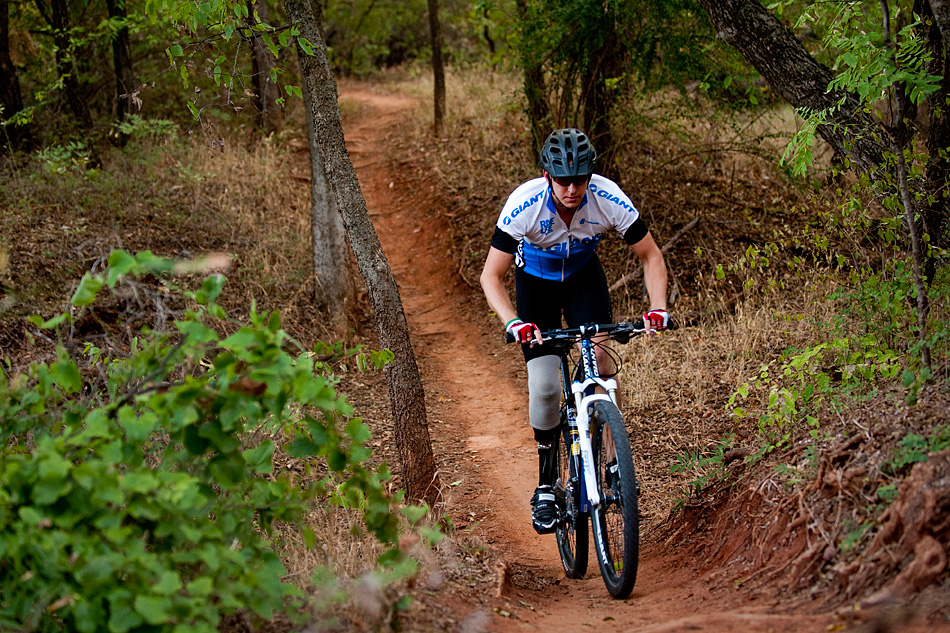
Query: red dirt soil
[[477, 402]]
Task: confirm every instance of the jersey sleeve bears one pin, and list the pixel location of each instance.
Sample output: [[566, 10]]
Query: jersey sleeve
[[637, 231], [503, 241]]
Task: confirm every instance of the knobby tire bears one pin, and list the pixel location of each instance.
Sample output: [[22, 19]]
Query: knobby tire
[[616, 522], [572, 534]]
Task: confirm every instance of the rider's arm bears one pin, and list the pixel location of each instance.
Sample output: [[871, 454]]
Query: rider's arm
[[493, 283], [654, 270]]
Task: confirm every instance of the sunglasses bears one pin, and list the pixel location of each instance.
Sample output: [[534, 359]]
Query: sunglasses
[[567, 181]]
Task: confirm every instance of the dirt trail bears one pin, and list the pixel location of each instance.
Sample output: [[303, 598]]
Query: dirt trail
[[477, 401]]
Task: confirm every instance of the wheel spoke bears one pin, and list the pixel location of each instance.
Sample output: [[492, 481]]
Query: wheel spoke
[[616, 528], [572, 534]]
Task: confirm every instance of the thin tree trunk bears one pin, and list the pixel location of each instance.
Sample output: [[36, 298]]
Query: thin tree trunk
[[334, 289], [598, 99], [935, 206], [122, 63], [405, 384], [266, 92], [899, 136], [66, 64], [539, 113], [10, 96], [438, 66]]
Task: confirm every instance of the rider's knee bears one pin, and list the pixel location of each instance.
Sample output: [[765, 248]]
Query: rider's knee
[[544, 391]]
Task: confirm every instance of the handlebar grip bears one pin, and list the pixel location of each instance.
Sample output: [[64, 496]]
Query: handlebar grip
[[509, 337]]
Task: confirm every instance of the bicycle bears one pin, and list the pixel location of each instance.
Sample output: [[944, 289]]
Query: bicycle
[[595, 474]]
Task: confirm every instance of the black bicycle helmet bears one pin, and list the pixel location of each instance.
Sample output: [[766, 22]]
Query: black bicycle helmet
[[568, 152]]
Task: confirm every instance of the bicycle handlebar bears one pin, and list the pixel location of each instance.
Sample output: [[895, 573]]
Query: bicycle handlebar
[[620, 332]]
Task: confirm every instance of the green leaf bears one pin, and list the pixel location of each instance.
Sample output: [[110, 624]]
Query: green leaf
[[358, 431], [154, 610], [197, 333], [138, 481], [137, 428], [66, 374], [50, 323], [123, 618], [95, 424], [194, 110], [415, 513], [260, 458], [85, 294], [305, 45], [217, 312], [303, 447], [240, 340], [309, 538], [170, 583], [907, 378], [212, 286], [200, 587], [120, 263]]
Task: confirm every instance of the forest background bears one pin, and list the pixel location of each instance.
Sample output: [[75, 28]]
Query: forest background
[[791, 159]]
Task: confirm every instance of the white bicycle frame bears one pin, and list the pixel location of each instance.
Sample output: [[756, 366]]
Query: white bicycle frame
[[583, 403]]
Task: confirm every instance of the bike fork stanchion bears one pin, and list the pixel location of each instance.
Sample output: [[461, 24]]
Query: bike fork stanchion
[[587, 452]]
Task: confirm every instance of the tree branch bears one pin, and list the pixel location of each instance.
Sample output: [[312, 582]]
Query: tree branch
[[636, 273]]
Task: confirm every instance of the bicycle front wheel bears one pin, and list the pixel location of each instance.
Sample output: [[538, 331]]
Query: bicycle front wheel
[[616, 521], [572, 535]]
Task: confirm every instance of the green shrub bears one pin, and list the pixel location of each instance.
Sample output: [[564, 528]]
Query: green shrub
[[139, 493], [914, 448]]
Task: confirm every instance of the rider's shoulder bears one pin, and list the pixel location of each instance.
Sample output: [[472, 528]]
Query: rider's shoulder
[[608, 195], [525, 195]]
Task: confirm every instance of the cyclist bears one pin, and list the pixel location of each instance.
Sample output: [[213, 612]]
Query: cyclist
[[549, 228]]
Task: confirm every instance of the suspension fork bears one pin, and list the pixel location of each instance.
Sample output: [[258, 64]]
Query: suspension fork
[[585, 395]]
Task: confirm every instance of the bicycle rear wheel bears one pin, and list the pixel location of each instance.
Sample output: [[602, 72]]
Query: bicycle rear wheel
[[616, 521], [572, 534]]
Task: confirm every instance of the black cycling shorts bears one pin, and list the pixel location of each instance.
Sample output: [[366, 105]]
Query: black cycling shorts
[[582, 298]]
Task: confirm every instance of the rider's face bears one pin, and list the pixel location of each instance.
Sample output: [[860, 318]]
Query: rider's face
[[571, 195]]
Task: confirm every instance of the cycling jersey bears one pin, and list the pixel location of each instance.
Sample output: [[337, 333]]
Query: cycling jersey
[[544, 246]]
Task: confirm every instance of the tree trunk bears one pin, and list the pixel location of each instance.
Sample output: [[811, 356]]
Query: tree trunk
[[438, 66], [10, 96], [791, 71], [66, 64], [803, 82], [405, 385], [598, 98], [122, 63], [333, 291], [900, 138], [539, 114], [935, 207], [266, 92]]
